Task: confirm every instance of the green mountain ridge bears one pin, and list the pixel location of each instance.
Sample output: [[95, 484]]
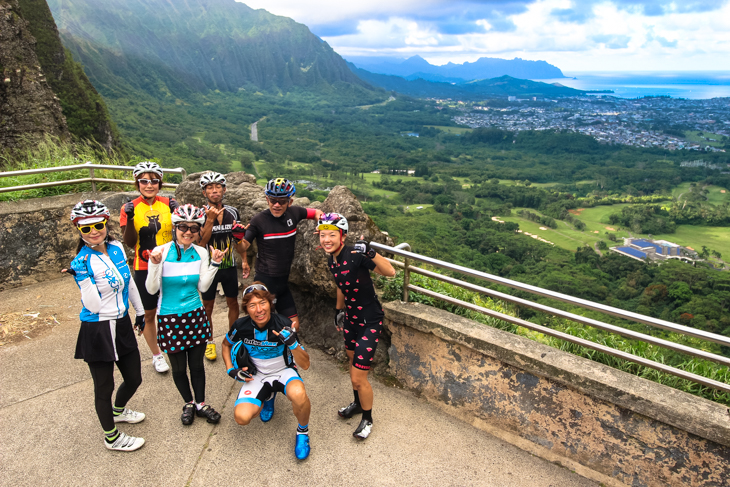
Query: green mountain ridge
[[472, 90], [172, 48]]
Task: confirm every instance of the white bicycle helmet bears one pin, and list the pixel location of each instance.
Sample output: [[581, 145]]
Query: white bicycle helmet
[[333, 221], [88, 212], [212, 178], [188, 213], [147, 167]]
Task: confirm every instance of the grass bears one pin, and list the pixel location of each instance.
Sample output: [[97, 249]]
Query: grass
[[52, 153], [565, 236], [451, 130], [715, 238], [716, 195], [693, 136]]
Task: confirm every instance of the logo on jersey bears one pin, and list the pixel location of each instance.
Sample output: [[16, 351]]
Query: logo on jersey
[[289, 222]]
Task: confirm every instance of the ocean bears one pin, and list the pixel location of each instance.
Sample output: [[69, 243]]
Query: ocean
[[683, 84]]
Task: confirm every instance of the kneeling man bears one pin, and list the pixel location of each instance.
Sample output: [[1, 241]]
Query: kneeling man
[[262, 350]]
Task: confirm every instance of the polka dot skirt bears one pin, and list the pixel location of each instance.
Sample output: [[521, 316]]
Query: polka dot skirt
[[177, 332]]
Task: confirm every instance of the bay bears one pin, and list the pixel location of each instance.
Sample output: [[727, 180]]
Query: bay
[[694, 85]]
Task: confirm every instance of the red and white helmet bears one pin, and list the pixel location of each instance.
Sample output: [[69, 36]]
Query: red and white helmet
[[147, 167], [212, 178], [88, 212], [188, 213], [333, 221]]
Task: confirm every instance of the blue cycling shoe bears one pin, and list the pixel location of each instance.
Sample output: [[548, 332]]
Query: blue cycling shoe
[[301, 450], [267, 411]]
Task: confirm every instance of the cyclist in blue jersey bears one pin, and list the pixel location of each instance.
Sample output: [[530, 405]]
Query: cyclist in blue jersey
[[262, 351], [180, 270], [106, 336], [358, 314]]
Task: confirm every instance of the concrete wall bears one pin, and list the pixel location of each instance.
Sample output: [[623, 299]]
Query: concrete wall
[[605, 424]]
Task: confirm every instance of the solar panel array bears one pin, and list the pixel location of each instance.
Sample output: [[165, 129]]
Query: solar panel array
[[632, 252]]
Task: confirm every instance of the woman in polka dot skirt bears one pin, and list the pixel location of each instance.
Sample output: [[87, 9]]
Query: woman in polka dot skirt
[[179, 269], [358, 314]]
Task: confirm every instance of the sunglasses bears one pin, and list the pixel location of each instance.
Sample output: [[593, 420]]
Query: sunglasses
[[85, 229], [145, 182], [186, 228], [254, 287], [278, 201]]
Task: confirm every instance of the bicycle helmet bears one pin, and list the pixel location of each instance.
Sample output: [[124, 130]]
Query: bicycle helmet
[[210, 178], [280, 188], [188, 213], [333, 221], [241, 358], [147, 167], [88, 212]]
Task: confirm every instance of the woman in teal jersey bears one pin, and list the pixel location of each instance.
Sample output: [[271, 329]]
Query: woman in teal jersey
[[179, 270]]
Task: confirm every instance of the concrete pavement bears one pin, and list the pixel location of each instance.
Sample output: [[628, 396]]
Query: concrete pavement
[[50, 434]]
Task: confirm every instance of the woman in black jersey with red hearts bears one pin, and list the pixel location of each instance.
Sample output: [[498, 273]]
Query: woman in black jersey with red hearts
[[358, 313]]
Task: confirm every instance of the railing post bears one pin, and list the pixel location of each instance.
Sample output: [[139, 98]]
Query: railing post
[[406, 278]]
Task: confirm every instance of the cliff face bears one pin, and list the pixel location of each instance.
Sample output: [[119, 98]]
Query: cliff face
[[28, 107], [86, 113]]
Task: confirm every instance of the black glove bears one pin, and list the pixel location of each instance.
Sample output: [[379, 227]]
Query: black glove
[[339, 319], [139, 323], [288, 337], [129, 210], [362, 247], [238, 231], [240, 374]]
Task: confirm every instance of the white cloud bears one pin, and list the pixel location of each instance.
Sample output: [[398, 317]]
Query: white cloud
[[607, 36]]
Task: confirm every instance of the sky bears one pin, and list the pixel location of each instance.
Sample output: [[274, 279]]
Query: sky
[[574, 35]]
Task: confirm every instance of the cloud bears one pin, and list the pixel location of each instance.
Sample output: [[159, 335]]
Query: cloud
[[612, 41]]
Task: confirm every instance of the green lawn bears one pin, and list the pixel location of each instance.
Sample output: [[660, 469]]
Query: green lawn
[[693, 136], [715, 238], [451, 130], [716, 195]]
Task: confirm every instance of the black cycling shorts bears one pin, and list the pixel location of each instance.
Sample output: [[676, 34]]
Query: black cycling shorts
[[279, 286], [229, 281], [149, 301], [362, 334]]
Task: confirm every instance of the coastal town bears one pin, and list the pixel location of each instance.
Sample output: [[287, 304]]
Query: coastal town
[[668, 123]]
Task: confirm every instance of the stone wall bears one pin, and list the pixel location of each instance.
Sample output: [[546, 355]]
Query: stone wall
[[603, 423], [37, 239]]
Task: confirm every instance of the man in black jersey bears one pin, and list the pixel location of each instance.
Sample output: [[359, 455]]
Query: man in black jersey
[[218, 233], [275, 232]]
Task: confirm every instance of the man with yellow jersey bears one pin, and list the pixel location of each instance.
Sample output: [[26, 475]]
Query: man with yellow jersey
[[151, 216]]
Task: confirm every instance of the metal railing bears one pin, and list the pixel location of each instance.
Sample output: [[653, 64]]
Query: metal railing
[[91, 179], [403, 250]]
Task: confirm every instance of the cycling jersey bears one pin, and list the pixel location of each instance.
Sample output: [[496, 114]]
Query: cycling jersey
[[352, 276], [106, 287], [268, 354], [276, 238], [221, 237], [180, 280], [153, 224]]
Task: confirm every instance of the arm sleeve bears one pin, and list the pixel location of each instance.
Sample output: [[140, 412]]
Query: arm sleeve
[[311, 213], [134, 298], [252, 231], [90, 296], [207, 271], [154, 275]]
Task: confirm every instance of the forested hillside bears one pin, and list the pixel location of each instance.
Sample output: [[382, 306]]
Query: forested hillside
[[85, 111], [171, 48]]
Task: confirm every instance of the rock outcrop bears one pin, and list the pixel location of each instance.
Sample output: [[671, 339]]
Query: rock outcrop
[[29, 109]]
